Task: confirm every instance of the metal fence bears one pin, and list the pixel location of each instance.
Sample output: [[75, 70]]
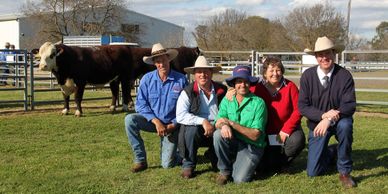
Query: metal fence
[[13, 74], [30, 81], [295, 64]]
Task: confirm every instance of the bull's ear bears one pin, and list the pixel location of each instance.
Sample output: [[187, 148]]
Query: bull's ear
[[59, 51], [199, 52]]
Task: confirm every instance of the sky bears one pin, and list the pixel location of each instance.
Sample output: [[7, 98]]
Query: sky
[[366, 15]]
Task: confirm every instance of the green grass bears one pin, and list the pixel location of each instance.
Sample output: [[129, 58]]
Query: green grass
[[42, 152]]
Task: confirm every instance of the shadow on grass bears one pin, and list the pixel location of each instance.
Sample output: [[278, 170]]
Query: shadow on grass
[[370, 159]]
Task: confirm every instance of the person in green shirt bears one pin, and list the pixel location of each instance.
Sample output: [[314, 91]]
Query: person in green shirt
[[239, 140]]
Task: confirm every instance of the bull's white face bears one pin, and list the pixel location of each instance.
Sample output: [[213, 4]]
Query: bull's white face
[[47, 54]]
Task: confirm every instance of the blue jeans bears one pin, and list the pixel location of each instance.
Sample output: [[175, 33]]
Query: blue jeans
[[136, 122], [193, 139], [318, 154], [236, 157]]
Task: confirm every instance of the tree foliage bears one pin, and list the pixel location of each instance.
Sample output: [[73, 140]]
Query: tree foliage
[[234, 30], [305, 24], [57, 18], [380, 41]]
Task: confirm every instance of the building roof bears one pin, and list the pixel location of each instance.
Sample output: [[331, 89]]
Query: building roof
[[9, 17]]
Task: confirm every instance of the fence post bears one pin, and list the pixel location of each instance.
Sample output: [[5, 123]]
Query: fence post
[[32, 82]]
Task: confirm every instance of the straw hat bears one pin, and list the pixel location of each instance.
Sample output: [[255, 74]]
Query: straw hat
[[201, 62], [322, 44], [241, 71], [158, 50]]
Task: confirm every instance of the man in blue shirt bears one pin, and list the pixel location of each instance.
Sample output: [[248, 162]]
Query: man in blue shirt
[[155, 106], [3, 60]]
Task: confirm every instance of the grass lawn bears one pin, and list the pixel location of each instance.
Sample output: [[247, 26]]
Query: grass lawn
[[43, 152]]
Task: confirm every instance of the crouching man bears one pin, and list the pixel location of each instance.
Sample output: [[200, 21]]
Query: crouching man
[[239, 140]]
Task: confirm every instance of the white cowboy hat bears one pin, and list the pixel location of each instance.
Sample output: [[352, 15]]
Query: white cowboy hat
[[322, 44], [158, 50], [201, 62]]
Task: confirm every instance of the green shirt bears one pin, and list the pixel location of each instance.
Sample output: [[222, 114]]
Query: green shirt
[[252, 113]]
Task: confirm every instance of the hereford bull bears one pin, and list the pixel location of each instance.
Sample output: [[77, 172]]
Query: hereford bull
[[74, 67]]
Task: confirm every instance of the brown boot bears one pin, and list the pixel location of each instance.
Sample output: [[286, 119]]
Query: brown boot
[[139, 167], [222, 179], [187, 173], [347, 181]]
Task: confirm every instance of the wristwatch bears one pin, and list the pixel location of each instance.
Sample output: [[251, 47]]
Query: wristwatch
[[332, 122]]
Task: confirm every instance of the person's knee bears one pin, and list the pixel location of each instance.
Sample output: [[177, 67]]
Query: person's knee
[[130, 122], [345, 127], [191, 131], [217, 136], [239, 178], [295, 144]]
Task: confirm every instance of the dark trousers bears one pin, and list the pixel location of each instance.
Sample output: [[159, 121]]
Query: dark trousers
[[277, 157], [319, 156], [193, 139]]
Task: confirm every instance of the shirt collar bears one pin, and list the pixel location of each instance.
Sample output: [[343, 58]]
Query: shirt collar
[[201, 91], [321, 74]]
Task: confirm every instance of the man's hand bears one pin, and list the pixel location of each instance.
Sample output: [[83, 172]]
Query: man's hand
[[208, 128], [161, 129], [226, 132], [321, 129], [281, 137], [170, 128], [333, 114], [229, 95]]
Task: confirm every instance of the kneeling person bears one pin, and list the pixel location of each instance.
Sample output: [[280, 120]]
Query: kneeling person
[[239, 140], [155, 106], [197, 108]]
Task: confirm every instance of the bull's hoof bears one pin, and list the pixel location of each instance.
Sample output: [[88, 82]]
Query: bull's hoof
[[112, 108], [131, 105], [125, 108], [78, 113], [65, 111]]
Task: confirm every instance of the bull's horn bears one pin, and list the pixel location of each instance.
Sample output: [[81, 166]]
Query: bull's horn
[[59, 42]]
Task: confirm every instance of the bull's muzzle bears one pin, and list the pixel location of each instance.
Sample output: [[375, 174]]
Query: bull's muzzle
[[43, 67]]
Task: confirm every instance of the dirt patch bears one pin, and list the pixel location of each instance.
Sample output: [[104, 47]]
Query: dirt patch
[[372, 114]]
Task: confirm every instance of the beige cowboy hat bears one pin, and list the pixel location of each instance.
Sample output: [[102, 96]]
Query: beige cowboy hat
[[201, 62], [322, 44], [158, 50]]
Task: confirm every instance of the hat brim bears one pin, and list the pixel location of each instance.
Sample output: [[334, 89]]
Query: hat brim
[[251, 79], [171, 53], [214, 69], [336, 48]]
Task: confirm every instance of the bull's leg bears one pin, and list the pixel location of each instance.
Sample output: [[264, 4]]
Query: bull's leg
[[126, 91], [66, 107], [114, 88], [78, 99], [131, 104]]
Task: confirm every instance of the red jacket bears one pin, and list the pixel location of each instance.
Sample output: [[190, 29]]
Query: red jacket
[[283, 113]]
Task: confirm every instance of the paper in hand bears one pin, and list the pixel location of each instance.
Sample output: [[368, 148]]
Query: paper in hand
[[273, 140]]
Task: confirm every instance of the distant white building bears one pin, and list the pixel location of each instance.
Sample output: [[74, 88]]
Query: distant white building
[[18, 30]]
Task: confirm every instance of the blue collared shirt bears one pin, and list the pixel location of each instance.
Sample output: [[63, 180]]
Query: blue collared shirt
[[157, 99], [207, 110]]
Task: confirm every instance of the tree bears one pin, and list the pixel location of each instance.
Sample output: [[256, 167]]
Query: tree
[[57, 18], [380, 41], [305, 24], [220, 31]]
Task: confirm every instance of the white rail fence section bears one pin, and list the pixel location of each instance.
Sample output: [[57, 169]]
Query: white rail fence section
[[21, 75]]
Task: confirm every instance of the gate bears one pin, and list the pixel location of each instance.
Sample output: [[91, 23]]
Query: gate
[[13, 75]]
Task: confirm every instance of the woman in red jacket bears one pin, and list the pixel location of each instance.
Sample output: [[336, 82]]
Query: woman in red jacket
[[286, 138]]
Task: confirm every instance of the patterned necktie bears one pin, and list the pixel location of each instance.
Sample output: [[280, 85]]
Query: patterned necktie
[[325, 81]]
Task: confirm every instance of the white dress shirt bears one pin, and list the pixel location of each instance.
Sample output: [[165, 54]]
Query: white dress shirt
[[207, 109]]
